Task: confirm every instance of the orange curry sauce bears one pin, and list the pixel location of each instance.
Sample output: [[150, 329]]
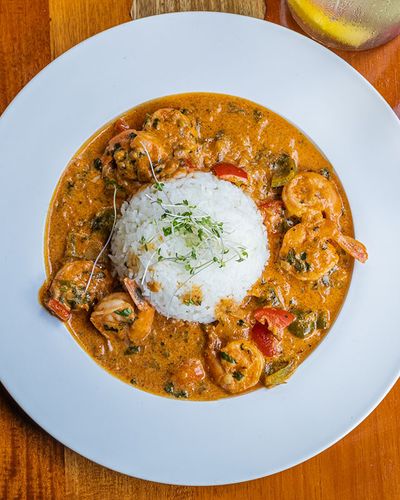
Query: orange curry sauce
[[228, 129]]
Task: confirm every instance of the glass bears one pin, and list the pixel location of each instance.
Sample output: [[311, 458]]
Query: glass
[[348, 24]]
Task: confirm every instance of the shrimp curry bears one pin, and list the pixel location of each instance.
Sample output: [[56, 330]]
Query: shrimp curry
[[287, 312]]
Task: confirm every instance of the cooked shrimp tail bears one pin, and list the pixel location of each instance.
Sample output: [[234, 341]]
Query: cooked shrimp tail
[[135, 292], [144, 321], [142, 325], [213, 347], [307, 253], [58, 309], [353, 247]]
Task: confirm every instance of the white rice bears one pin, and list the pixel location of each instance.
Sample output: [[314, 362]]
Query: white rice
[[141, 225]]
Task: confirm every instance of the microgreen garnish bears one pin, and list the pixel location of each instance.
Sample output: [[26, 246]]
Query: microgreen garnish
[[206, 239], [124, 312], [192, 302]]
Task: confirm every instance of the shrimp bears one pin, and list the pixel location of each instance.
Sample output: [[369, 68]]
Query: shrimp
[[178, 131], [188, 375], [236, 367], [310, 194], [145, 316], [119, 141], [169, 121], [127, 154], [143, 144], [68, 288], [114, 315], [126, 157], [307, 253], [120, 125]]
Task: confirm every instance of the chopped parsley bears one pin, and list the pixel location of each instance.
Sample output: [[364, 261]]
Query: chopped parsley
[[257, 115], [109, 328], [226, 357], [325, 172], [237, 375], [124, 312], [181, 394], [299, 263], [97, 164], [132, 349], [169, 389]]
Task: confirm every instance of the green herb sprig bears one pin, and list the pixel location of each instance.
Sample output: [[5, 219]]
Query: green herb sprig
[[205, 238]]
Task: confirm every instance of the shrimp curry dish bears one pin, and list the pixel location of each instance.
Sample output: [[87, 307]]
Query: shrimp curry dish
[[199, 246]]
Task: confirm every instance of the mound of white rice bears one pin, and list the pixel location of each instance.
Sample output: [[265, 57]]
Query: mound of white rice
[[190, 243]]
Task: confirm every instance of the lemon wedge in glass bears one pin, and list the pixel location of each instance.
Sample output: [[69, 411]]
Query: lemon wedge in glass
[[339, 30]]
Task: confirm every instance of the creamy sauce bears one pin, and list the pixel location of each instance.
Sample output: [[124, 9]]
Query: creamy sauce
[[233, 130]]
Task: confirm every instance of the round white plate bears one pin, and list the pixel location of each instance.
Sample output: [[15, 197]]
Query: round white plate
[[235, 439]]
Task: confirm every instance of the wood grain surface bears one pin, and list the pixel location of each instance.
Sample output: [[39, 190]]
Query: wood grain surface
[[365, 465]]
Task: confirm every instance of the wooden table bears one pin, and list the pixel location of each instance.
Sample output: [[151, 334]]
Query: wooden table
[[365, 465]]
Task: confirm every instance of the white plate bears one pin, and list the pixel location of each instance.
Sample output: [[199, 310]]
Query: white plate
[[235, 439]]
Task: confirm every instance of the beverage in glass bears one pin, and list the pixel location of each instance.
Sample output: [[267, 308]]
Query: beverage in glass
[[348, 24]]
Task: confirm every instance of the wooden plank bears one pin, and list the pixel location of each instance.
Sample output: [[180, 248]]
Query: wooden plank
[[31, 461], [75, 20], [24, 44], [143, 8]]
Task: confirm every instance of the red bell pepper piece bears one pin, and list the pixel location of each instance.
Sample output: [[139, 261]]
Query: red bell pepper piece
[[274, 317], [265, 340], [230, 172]]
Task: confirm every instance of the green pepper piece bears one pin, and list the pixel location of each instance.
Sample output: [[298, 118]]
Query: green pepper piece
[[277, 372], [103, 220], [323, 320], [305, 324], [285, 169]]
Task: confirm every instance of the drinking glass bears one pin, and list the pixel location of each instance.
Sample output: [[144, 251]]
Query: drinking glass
[[348, 24]]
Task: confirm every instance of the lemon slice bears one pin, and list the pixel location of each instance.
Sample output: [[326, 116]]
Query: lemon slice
[[339, 30]]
